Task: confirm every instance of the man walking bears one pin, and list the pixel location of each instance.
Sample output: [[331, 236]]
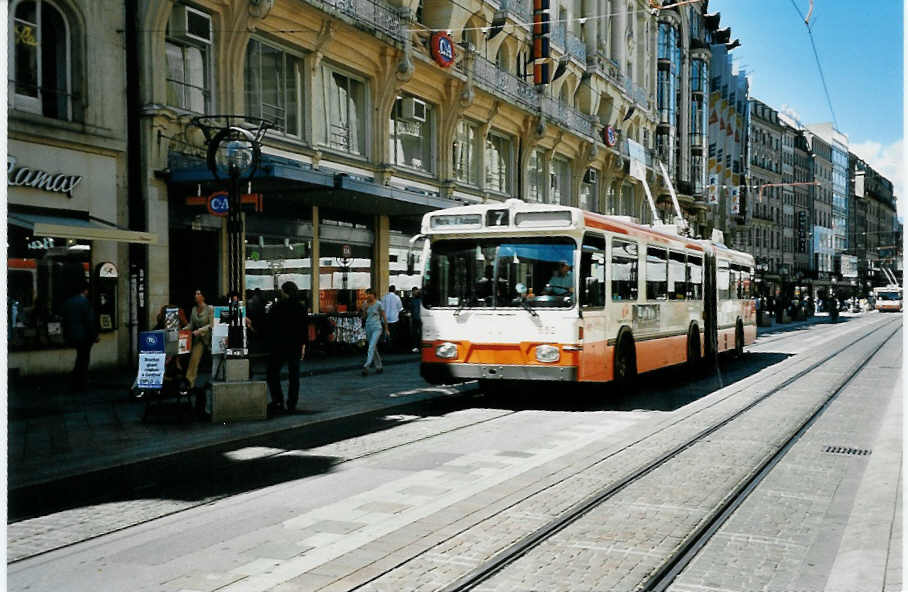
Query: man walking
[[81, 332], [288, 335], [392, 306]]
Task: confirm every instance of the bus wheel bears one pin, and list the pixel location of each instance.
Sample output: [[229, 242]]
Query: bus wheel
[[739, 340], [693, 348], [625, 363]]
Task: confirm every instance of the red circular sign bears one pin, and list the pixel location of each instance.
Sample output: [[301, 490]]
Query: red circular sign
[[610, 136], [218, 204], [443, 49]]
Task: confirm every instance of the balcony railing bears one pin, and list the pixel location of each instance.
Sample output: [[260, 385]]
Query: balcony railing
[[375, 14], [567, 116], [520, 9], [638, 93], [576, 47], [559, 33], [487, 74]]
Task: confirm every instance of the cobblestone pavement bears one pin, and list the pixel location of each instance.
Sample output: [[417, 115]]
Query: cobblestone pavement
[[821, 520], [450, 501]]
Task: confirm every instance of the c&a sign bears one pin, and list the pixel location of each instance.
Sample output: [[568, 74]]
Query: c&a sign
[[443, 49], [218, 203]]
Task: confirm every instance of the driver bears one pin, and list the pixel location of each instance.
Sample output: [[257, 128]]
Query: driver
[[562, 281]]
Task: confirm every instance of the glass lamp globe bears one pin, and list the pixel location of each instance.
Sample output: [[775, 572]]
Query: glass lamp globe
[[235, 155]]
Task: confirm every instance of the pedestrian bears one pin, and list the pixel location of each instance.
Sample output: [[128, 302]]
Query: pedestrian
[[288, 335], [80, 330], [376, 323], [392, 307], [201, 319], [416, 318]]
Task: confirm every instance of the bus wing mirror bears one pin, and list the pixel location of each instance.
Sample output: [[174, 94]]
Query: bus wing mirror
[[411, 258]]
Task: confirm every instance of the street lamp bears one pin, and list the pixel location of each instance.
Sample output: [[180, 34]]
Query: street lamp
[[234, 146]]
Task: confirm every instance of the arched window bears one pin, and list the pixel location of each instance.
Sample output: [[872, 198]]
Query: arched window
[[503, 59], [41, 64]]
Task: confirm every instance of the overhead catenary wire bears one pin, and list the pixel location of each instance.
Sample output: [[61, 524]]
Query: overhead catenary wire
[[816, 56]]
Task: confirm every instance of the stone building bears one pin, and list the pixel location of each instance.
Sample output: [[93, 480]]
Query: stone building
[[874, 231], [765, 151], [373, 127], [66, 179], [802, 173], [822, 250]]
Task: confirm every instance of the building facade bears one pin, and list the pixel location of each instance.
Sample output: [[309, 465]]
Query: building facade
[[765, 152], [372, 127], [66, 180], [802, 174], [822, 250], [874, 230]]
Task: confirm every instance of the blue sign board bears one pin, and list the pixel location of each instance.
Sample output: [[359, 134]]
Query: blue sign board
[[151, 342]]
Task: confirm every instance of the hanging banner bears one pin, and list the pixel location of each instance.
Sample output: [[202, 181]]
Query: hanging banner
[[713, 192], [735, 201], [637, 155]]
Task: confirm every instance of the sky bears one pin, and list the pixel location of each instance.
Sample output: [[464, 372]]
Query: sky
[[861, 51]]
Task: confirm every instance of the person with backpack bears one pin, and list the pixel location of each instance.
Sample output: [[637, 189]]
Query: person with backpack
[[287, 337]]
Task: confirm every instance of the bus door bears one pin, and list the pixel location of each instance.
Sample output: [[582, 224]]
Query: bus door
[[593, 359], [710, 304]]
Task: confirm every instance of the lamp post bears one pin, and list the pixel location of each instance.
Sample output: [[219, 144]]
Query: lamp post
[[233, 147]]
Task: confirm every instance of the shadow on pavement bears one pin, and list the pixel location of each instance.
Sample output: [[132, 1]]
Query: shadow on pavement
[[662, 390]]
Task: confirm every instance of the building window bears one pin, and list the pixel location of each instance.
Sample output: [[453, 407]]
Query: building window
[[188, 53], [41, 65], [560, 182], [344, 112], [589, 191], [466, 161], [412, 134], [274, 87], [536, 177], [498, 163]]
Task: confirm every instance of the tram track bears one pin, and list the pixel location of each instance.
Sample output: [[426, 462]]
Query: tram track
[[501, 560]]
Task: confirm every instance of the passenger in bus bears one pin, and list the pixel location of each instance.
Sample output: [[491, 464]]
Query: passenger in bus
[[562, 281]]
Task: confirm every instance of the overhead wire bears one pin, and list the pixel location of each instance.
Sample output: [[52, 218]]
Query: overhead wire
[[816, 56]]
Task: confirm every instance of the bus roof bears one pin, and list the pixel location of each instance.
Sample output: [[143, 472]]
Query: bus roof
[[523, 216]]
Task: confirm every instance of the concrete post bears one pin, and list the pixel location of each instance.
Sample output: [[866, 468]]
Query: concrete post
[[381, 255], [314, 256]]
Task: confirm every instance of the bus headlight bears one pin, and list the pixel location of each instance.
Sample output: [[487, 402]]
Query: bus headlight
[[547, 353], [446, 351]]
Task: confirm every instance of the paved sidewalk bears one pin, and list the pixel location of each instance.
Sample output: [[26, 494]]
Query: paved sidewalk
[[54, 434]]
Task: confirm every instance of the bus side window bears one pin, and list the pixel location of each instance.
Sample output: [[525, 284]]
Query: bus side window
[[694, 277], [624, 270], [592, 272], [722, 279], [656, 273], [677, 276]]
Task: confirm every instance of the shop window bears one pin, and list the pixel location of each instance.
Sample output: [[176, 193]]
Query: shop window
[[274, 87], [188, 55], [592, 272], [624, 270], [656, 273], [536, 177], [42, 273], [344, 112], [466, 152], [43, 69], [412, 133], [498, 163]]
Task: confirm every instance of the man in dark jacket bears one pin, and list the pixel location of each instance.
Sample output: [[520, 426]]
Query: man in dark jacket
[[81, 332], [287, 337]]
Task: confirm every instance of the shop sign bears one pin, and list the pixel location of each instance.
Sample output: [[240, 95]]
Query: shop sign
[[151, 371], [610, 136], [347, 251], [443, 49], [38, 179], [218, 204], [108, 270]]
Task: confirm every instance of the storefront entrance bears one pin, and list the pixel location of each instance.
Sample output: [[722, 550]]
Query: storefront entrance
[[194, 265]]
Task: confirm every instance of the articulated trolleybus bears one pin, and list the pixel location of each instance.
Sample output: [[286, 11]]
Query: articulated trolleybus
[[518, 291]]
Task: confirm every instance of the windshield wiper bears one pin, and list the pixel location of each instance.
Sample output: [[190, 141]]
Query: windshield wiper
[[528, 308]]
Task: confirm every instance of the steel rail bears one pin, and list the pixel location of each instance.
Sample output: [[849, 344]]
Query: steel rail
[[576, 511]]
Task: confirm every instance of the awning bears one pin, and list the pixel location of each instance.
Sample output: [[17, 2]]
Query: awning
[[77, 228]]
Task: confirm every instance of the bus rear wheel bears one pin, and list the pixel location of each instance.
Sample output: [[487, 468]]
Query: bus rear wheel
[[625, 363]]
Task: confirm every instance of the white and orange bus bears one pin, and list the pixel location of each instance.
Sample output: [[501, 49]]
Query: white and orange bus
[[518, 291], [888, 298]]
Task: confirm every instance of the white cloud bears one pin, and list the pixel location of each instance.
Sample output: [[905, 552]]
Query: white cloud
[[791, 112], [889, 161]]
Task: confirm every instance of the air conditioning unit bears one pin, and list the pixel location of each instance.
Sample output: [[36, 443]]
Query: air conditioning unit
[[591, 176], [189, 24], [412, 109]]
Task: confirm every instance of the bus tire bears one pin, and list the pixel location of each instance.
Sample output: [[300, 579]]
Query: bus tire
[[625, 368], [739, 339], [693, 347]]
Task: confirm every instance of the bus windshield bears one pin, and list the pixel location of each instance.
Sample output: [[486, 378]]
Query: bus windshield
[[888, 296], [500, 273]]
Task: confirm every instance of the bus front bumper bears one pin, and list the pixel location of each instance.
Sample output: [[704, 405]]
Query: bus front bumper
[[444, 373]]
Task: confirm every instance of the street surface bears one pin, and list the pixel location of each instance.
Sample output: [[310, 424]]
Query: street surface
[[423, 496]]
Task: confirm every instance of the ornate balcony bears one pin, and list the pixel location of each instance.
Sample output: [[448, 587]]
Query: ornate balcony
[[373, 14], [567, 116], [576, 48], [487, 75]]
